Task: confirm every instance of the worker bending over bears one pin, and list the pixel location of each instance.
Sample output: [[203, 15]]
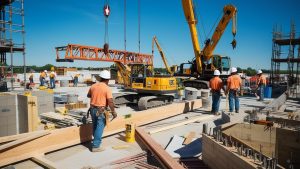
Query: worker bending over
[[101, 96], [261, 84], [216, 85], [234, 84]]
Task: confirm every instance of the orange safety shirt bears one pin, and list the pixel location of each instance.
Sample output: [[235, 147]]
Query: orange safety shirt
[[234, 82], [43, 74], [99, 93], [262, 80], [31, 76], [216, 83]]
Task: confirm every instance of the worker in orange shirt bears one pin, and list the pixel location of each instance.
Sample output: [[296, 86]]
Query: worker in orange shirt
[[261, 84], [52, 79], [234, 84], [216, 85], [43, 77], [101, 97]]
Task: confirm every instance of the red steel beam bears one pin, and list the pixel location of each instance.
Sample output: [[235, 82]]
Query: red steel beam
[[91, 53]]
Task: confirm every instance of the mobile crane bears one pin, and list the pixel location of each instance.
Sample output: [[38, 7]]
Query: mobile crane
[[147, 90], [205, 62], [171, 70]]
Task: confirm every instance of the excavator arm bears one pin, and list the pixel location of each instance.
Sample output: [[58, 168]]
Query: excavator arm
[[125, 72], [188, 9], [154, 40], [210, 45]]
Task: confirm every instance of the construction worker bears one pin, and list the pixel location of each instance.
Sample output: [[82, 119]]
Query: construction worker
[[101, 97], [261, 84], [52, 79], [31, 78], [42, 77], [234, 84], [216, 85], [75, 81]]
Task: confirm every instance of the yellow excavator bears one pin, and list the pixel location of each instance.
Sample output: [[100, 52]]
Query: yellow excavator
[[205, 62], [171, 70], [147, 90]]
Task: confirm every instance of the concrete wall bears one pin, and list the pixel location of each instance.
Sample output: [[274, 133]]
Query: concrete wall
[[255, 135], [217, 156], [45, 101], [8, 115], [287, 145]]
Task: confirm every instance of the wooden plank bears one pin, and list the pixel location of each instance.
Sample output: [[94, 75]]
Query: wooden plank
[[162, 156], [45, 162], [205, 117], [16, 137], [61, 138], [21, 141], [33, 117], [189, 138]]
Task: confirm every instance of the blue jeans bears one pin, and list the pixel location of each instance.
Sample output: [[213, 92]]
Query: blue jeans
[[52, 83], [233, 101], [75, 81], [41, 81], [98, 127], [261, 93], [215, 102]]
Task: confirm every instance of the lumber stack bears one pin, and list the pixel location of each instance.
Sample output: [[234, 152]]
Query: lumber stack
[[78, 105]]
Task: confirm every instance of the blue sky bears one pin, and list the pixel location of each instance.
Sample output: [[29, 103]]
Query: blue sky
[[52, 23]]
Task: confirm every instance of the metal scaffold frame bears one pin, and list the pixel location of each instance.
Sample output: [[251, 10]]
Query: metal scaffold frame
[[12, 36], [283, 57]]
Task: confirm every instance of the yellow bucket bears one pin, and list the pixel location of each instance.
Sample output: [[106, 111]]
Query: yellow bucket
[[129, 133]]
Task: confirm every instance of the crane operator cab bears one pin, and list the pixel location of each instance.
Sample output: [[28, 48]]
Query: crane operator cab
[[144, 81]]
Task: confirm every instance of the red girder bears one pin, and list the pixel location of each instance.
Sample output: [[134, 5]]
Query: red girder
[[91, 53]]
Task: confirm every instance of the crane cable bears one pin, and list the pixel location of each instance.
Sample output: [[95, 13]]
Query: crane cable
[[139, 25]]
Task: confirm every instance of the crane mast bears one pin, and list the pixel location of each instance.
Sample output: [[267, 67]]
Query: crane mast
[[188, 9]]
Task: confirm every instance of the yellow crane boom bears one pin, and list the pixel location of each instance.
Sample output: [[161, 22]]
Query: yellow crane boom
[[229, 13]]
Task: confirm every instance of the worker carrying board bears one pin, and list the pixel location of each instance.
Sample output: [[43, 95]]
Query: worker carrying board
[[101, 98]]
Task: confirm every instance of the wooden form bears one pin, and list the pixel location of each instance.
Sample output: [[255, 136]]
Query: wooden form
[[156, 130], [161, 155], [65, 137], [78, 105]]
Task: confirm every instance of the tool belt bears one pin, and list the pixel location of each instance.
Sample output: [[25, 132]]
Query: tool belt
[[216, 91], [235, 91], [100, 110]]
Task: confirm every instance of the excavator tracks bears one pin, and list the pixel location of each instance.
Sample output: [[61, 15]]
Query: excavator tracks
[[198, 84], [143, 101], [147, 102]]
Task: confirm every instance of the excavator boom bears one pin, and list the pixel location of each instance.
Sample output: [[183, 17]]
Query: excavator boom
[[154, 40]]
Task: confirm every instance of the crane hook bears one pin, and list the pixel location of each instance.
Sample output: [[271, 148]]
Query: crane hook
[[233, 43]]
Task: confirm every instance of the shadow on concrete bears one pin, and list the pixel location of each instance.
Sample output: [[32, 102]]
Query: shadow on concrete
[[191, 150]]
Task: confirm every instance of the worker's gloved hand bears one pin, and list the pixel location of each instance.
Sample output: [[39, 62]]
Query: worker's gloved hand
[[114, 114]]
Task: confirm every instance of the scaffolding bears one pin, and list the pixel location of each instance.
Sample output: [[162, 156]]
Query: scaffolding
[[12, 38], [285, 65]]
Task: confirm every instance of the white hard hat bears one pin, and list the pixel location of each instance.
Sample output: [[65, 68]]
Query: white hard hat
[[45, 71], [259, 72], [217, 73], [105, 74], [233, 70]]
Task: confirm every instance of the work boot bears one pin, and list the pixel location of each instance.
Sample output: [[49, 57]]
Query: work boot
[[217, 113], [99, 149], [237, 111]]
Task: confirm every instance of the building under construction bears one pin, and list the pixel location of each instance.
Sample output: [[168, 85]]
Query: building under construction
[[286, 56], [12, 40]]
